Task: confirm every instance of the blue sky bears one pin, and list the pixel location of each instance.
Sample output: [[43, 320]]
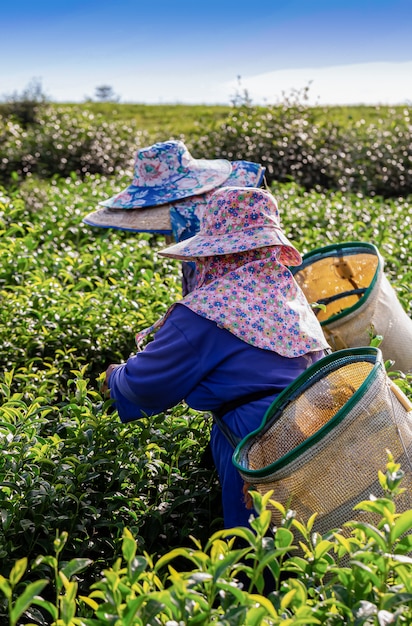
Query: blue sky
[[169, 51]]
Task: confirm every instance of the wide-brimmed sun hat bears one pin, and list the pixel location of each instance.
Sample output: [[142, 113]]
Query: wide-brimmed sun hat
[[166, 172], [237, 219], [182, 218], [154, 219]]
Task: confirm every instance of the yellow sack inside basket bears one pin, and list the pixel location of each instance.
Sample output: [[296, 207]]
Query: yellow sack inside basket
[[324, 439], [348, 278]]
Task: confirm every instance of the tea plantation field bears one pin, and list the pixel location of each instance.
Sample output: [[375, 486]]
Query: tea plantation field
[[103, 523]]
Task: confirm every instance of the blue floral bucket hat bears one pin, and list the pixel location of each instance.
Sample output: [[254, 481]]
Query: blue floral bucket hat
[[180, 219], [166, 172]]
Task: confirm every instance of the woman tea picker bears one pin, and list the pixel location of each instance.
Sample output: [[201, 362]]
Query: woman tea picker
[[236, 341]]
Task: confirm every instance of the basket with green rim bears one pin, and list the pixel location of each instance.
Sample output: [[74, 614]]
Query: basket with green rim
[[358, 302], [324, 439]]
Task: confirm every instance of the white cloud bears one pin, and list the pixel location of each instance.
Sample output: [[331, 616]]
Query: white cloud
[[366, 83]]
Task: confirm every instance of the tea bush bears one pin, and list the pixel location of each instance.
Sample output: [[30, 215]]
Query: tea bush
[[220, 583], [73, 295], [25, 107], [295, 142], [62, 141], [73, 478], [72, 299], [72, 466], [69, 294]]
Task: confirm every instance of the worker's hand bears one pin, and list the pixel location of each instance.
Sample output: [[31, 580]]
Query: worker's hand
[[104, 389]]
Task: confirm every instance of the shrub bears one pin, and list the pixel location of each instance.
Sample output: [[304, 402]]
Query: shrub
[[298, 143], [224, 584], [72, 476], [72, 466], [25, 108], [63, 142], [293, 141], [72, 299], [283, 138]]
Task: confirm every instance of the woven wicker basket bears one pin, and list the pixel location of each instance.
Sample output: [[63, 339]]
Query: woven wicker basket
[[348, 278], [324, 439]]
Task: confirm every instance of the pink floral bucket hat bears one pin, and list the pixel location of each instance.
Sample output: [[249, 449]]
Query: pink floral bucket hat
[[166, 172], [237, 219]]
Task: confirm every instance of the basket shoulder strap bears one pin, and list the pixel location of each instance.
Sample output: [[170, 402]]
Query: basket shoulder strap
[[219, 414]]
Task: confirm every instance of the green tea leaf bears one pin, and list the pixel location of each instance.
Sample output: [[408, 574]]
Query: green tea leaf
[[26, 599]]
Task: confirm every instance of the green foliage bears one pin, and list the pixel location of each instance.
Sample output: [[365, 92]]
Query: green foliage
[[314, 147], [360, 577], [63, 142], [164, 120], [71, 294], [301, 144], [73, 467], [25, 107], [105, 523], [72, 299]]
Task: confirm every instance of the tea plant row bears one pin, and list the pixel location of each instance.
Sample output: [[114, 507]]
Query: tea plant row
[[79, 485], [295, 143]]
